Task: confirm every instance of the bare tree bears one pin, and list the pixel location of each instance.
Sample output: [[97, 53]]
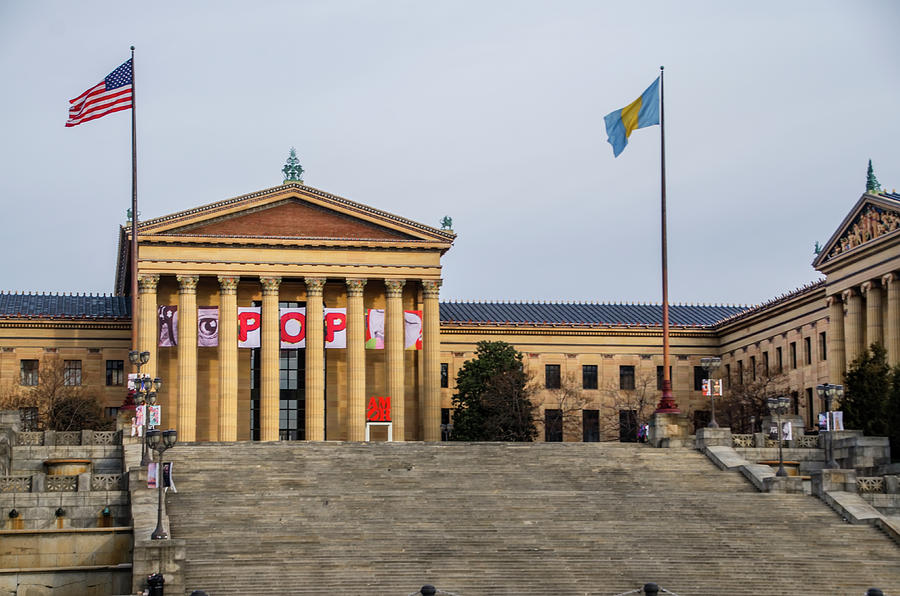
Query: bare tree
[[56, 403], [569, 402], [623, 411], [745, 398]]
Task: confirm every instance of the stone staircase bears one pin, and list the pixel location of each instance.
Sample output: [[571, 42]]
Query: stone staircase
[[501, 518]]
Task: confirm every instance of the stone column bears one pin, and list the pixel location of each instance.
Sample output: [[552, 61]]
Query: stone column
[[837, 362], [892, 325], [148, 321], [228, 358], [356, 361], [853, 324], [315, 360], [394, 353], [187, 358], [874, 333], [431, 340], [270, 351]]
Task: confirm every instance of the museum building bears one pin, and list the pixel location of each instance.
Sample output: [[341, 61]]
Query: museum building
[[295, 314]]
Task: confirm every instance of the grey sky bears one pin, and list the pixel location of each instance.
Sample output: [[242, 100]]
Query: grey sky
[[490, 112]]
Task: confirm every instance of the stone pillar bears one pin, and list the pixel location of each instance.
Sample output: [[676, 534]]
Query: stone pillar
[[147, 321], [837, 362], [874, 333], [394, 353], [228, 358], [356, 361], [270, 351], [431, 340], [853, 324], [892, 325], [187, 358], [315, 360]]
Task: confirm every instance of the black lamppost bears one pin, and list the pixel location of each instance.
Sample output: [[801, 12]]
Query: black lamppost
[[160, 441], [778, 407], [141, 390], [830, 392], [710, 365]]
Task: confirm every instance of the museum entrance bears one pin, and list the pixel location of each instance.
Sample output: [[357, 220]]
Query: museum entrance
[[292, 389]]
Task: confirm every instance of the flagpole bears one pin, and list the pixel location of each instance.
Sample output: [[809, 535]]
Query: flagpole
[[134, 211], [666, 402]]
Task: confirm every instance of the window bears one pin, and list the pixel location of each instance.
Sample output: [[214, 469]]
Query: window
[[699, 375], [793, 355], [590, 426], [628, 426], [626, 377], [740, 372], [115, 372], [823, 347], [779, 362], [446, 426], [807, 348], [72, 373], [753, 367], [810, 409], [112, 412], [728, 375], [659, 377], [28, 372], [551, 376], [553, 426], [445, 375], [589, 376], [765, 364], [29, 419]]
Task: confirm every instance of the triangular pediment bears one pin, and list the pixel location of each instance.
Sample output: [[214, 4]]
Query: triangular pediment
[[290, 218], [874, 218], [292, 211]]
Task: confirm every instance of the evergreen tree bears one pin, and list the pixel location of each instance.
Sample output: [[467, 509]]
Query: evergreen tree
[[872, 184], [492, 402], [867, 390]]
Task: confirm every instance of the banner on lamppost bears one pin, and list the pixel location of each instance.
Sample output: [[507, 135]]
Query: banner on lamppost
[[712, 387]]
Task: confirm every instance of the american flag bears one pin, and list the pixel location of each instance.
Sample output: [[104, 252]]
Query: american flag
[[112, 94]]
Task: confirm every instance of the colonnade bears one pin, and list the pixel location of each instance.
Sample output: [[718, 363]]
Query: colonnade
[[858, 318], [185, 396]]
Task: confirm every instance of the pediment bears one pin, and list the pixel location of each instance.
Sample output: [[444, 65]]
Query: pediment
[[874, 217], [292, 211], [290, 218]]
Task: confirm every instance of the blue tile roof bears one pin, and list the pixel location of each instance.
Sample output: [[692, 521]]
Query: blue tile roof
[[64, 306], [890, 195], [585, 313]]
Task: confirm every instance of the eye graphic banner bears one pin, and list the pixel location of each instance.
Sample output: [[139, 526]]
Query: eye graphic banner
[[208, 326], [412, 327]]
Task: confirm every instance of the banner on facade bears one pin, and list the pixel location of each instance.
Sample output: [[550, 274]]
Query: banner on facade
[[249, 319], [168, 326], [293, 328], [412, 327], [208, 326], [375, 329], [335, 327]]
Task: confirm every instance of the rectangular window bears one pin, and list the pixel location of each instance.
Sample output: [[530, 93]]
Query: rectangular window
[[72, 373], [807, 348], [765, 364], [728, 375], [445, 375], [589, 376], [810, 409], [699, 375], [659, 377], [779, 361], [823, 347], [628, 426], [112, 412], [590, 426], [553, 426], [626, 377], [28, 372], [740, 372], [551, 376], [29, 419], [753, 367], [115, 372], [446, 427], [793, 355]]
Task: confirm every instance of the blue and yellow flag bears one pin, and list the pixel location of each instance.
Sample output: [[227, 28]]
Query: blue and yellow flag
[[644, 111]]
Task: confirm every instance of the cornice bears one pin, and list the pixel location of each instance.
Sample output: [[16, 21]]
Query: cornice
[[569, 331], [64, 324]]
